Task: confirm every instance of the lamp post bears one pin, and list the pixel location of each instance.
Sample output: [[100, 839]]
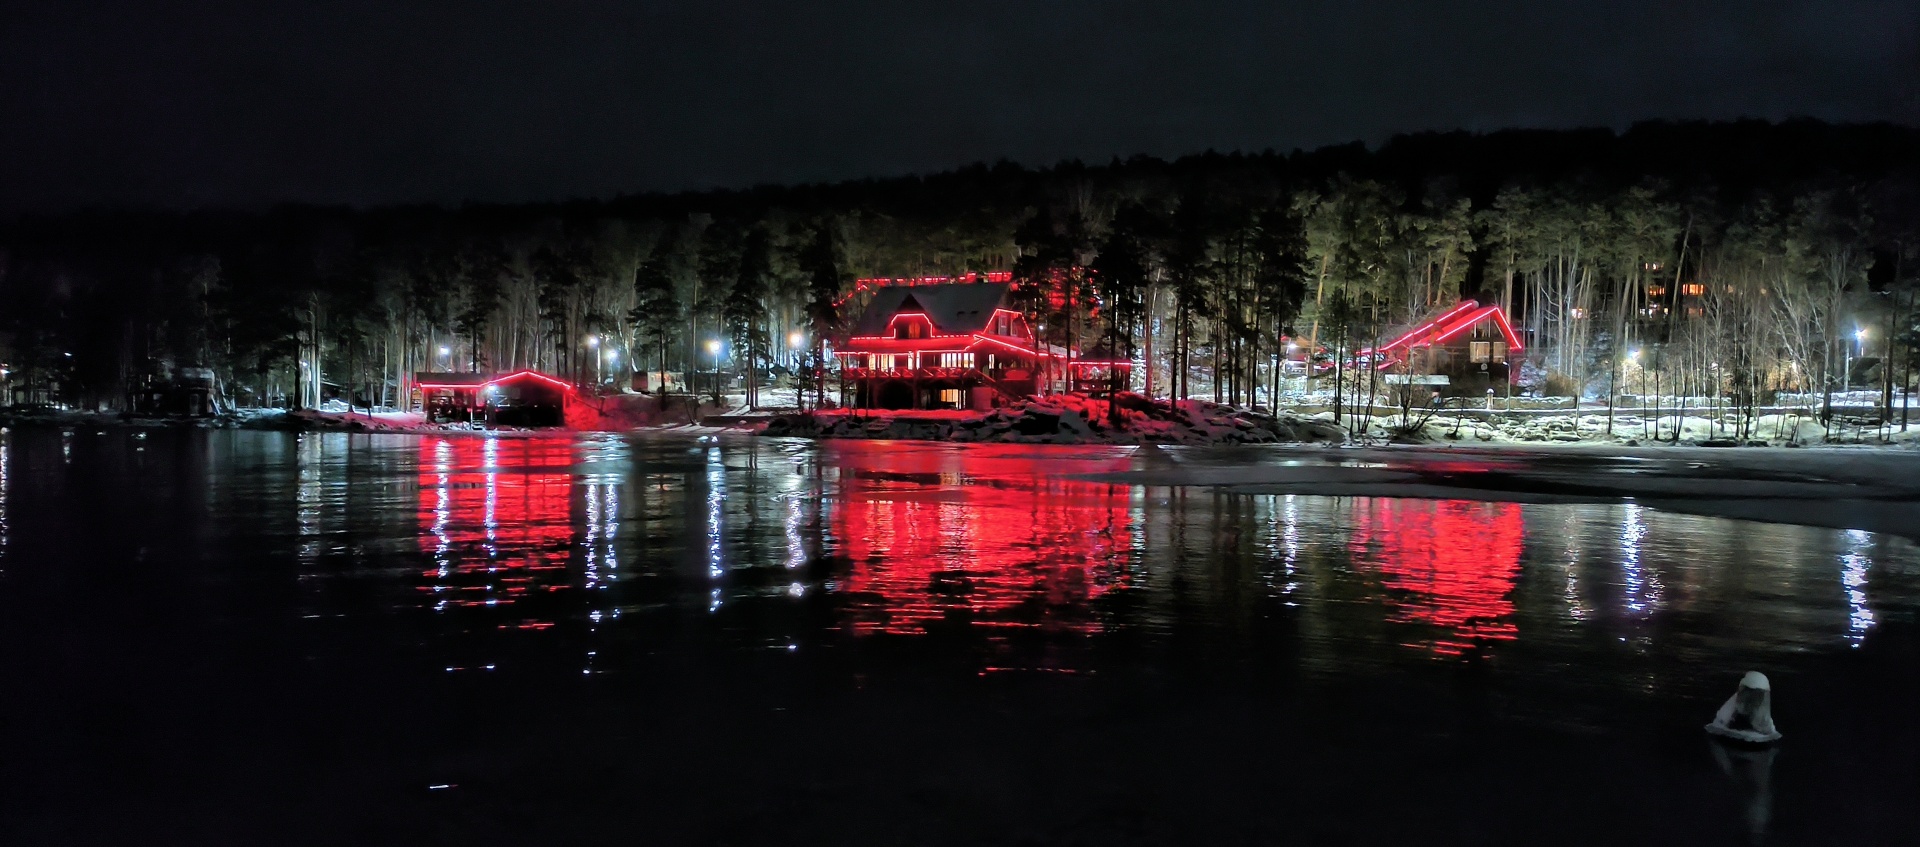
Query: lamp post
[[713, 348], [1846, 359], [593, 343]]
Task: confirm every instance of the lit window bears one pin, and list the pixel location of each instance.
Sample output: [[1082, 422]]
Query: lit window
[[1480, 351], [1693, 289]]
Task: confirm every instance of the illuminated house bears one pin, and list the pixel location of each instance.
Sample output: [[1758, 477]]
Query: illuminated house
[[1463, 351], [943, 345], [521, 398]]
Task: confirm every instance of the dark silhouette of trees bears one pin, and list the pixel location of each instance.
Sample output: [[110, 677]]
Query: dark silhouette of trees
[[1736, 260]]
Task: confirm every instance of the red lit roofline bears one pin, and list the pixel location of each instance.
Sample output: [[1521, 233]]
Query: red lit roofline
[[1461, 324], [1408, 337], [1010, 346], [535, 374], [1449, 324], [1506, 331]]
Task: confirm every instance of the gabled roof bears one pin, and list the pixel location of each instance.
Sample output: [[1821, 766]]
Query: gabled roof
[[958, 308], [1444, 326], [427, 379]]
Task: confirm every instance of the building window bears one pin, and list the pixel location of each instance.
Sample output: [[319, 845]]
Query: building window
[[1500, 351], [1693, 289], [950, 395], [1480, 351]]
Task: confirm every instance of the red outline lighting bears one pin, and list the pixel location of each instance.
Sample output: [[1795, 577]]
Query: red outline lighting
[[562, 385]]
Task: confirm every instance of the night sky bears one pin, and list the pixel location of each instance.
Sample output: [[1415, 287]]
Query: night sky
[[221, 103]]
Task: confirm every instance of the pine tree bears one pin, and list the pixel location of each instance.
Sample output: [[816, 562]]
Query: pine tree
[[826, 279], [745, 308], [657, 310]]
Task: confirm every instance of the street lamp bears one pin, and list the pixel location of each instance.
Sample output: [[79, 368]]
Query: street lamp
[[713, 348], [1857, 351]]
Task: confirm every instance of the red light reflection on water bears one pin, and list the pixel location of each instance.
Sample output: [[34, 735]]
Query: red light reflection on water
[[992, 536], [1447, 564], [496, 519]]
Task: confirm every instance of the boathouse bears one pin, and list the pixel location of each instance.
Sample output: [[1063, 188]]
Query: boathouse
[[945, 345], [522, 398]]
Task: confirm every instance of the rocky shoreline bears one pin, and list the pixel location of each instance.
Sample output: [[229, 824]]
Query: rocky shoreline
[[1068, 419]]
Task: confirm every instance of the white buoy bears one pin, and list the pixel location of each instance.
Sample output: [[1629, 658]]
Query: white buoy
[[1748, 714]]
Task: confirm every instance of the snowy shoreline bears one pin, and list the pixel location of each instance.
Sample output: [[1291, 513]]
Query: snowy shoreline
[[1074, 419]]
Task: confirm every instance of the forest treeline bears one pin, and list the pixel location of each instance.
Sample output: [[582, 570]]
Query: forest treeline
[[1726, 259]]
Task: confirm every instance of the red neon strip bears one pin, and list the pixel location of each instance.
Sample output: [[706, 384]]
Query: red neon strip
[[1458, 326], [1008, 346], [1506, 330], [1408, 336], [535, 374]]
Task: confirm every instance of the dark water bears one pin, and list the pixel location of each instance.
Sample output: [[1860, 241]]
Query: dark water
[[262, 638]]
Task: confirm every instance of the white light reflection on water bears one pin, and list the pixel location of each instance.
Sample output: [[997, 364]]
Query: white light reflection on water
[[716, 506], [1855, 564], [442, 514], [1290, 537], [490, 461], [6, 449], [795, 519], [1576, 608], [307, 498]]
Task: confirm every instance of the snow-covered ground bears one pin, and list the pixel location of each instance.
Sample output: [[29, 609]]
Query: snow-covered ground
[[1790, 429]]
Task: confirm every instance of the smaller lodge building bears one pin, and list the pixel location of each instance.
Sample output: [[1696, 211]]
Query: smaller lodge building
[[943, 345], [522, 398], [1463, 351]]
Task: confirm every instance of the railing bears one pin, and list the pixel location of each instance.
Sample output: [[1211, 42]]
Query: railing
[[915, 373]]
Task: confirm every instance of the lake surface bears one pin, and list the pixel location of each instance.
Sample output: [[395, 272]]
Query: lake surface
[[269, 638]]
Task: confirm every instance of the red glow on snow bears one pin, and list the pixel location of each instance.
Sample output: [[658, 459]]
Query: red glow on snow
[[1449, 565], [994, 538]]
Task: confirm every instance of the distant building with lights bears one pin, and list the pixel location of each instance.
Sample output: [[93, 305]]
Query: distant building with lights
[[520, 398], [943, 344]]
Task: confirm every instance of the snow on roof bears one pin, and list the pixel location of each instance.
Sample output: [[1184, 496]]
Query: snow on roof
[[958, 308]]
